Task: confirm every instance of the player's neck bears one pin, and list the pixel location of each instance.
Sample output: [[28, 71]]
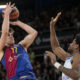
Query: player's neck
[[9, 45], [76, 52]]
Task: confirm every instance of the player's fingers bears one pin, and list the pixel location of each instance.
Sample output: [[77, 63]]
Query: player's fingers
[[52, 18], [6, 3], [59, 13], [12, 8], [13, 5], [9, 3], [46, 52]]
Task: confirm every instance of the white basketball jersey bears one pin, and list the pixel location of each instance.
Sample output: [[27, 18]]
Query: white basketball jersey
[[68, 65]]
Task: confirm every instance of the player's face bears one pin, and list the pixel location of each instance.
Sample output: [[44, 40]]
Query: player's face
[[72, 46], [10, 39]]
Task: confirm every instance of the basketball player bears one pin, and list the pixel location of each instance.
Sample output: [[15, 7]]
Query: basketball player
[[15, 58], [71, 68]]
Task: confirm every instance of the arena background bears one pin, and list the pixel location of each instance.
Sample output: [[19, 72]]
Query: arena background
[[38, 13]]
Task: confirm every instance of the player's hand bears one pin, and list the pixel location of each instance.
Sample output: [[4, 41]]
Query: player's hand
[[9, 8], [51, 56], [54, 20], [14, 22]]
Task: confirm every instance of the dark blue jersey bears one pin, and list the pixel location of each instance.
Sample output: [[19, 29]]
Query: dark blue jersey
[[17, 63]]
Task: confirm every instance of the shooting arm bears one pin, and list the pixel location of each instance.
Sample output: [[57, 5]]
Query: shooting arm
[[32, 34]]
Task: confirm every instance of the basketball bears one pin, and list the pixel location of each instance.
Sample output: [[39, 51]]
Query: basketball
[[14, 15]]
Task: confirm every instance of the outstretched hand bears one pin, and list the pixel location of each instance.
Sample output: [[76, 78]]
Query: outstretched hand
[[51, 56], [9, 8], [54, 20]]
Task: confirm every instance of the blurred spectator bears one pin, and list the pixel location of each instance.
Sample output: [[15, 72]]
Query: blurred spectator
[[39, 78], [45, 74]]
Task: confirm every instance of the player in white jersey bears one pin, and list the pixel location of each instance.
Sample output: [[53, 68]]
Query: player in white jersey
[[67, 64], [71, 68]]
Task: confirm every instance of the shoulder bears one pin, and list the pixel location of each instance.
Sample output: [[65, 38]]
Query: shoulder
[[76, 60], [21, 47], [76, 57]]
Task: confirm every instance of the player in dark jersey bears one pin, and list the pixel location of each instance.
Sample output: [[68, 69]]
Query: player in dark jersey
[[15, 59]]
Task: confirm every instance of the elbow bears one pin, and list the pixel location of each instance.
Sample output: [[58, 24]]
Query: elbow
[[35, 33], [54, 47]]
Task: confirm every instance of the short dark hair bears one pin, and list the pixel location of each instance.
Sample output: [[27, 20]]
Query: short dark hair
[[77, 39], [10, 31]]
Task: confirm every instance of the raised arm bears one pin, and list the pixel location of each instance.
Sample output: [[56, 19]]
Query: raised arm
[[54, 41], [5, 27], [74, 73], [32, 33]]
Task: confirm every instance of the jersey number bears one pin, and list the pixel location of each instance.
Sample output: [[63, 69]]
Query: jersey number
[[14, 50]]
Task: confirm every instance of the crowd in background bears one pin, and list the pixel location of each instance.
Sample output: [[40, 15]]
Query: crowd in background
[[70, 18]]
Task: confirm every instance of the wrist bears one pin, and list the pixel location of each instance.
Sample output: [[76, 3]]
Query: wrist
[[57, 65], [18, 22], [6, 12], [6, 16], [21, 24]]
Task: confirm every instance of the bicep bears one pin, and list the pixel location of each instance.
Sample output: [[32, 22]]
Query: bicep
[[62, 54], [28, 40]]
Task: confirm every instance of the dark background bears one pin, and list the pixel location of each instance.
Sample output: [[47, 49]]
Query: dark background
[[37, 13]]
